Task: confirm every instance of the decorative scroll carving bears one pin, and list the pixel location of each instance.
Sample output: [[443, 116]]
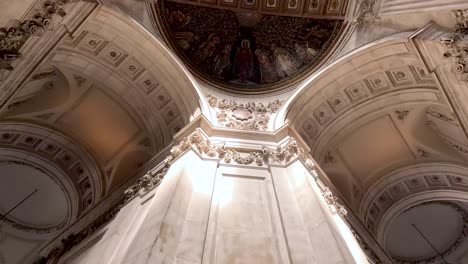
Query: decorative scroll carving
[[249, 116], [366, 12], [13, 38], [457, 44], [332, 203]]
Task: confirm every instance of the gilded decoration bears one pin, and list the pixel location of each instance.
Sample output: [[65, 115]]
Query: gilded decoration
[[246, 51]]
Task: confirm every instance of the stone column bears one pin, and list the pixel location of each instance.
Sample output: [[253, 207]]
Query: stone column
[[225, 196]]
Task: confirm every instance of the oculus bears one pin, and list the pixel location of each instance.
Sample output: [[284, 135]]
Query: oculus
[[241, 51]]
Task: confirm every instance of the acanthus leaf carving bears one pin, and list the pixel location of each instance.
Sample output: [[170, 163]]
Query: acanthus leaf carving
[[248, 116], [14, 37], [332, 202], [457, 44]]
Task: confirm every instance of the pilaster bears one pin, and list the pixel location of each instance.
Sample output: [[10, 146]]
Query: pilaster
[[228, 196]]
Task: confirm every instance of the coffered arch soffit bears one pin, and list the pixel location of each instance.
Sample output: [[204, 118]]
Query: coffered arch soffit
[[134, 53], [366, 115]]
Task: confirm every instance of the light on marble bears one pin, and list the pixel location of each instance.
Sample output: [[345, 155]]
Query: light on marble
[[224, 188]]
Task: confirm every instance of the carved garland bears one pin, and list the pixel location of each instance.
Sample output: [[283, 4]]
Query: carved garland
[[14, 37], [280, 156], [249, 116], [457, 44]]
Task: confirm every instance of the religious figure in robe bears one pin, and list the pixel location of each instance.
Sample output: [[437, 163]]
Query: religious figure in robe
[[222, 61], [286, 64], [206, 49], [267, 68], [244, 61]]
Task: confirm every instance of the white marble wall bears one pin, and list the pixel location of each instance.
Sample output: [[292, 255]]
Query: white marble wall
[[207, 213]]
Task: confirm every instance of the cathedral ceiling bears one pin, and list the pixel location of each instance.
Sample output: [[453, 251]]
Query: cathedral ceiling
[[380, 125], [84, 117], [87, 117], [251, 46]]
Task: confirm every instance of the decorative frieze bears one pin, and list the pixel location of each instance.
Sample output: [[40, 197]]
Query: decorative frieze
[[282, 155], [457, 44], [14, 37], [249, 116]]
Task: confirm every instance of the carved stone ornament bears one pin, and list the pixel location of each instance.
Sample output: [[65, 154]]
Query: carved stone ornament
[[366, 12], [196, 141], [457, 44], [332, 203], [14, 37], [74, 239], [249, 116]]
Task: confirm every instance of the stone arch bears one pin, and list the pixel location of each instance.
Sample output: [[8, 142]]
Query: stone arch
[[120, 31]]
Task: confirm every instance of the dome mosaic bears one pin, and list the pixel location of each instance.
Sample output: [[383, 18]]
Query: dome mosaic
[[251, 46]]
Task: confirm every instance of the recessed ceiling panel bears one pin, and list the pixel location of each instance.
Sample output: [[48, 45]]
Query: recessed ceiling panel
[[374, 146]]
